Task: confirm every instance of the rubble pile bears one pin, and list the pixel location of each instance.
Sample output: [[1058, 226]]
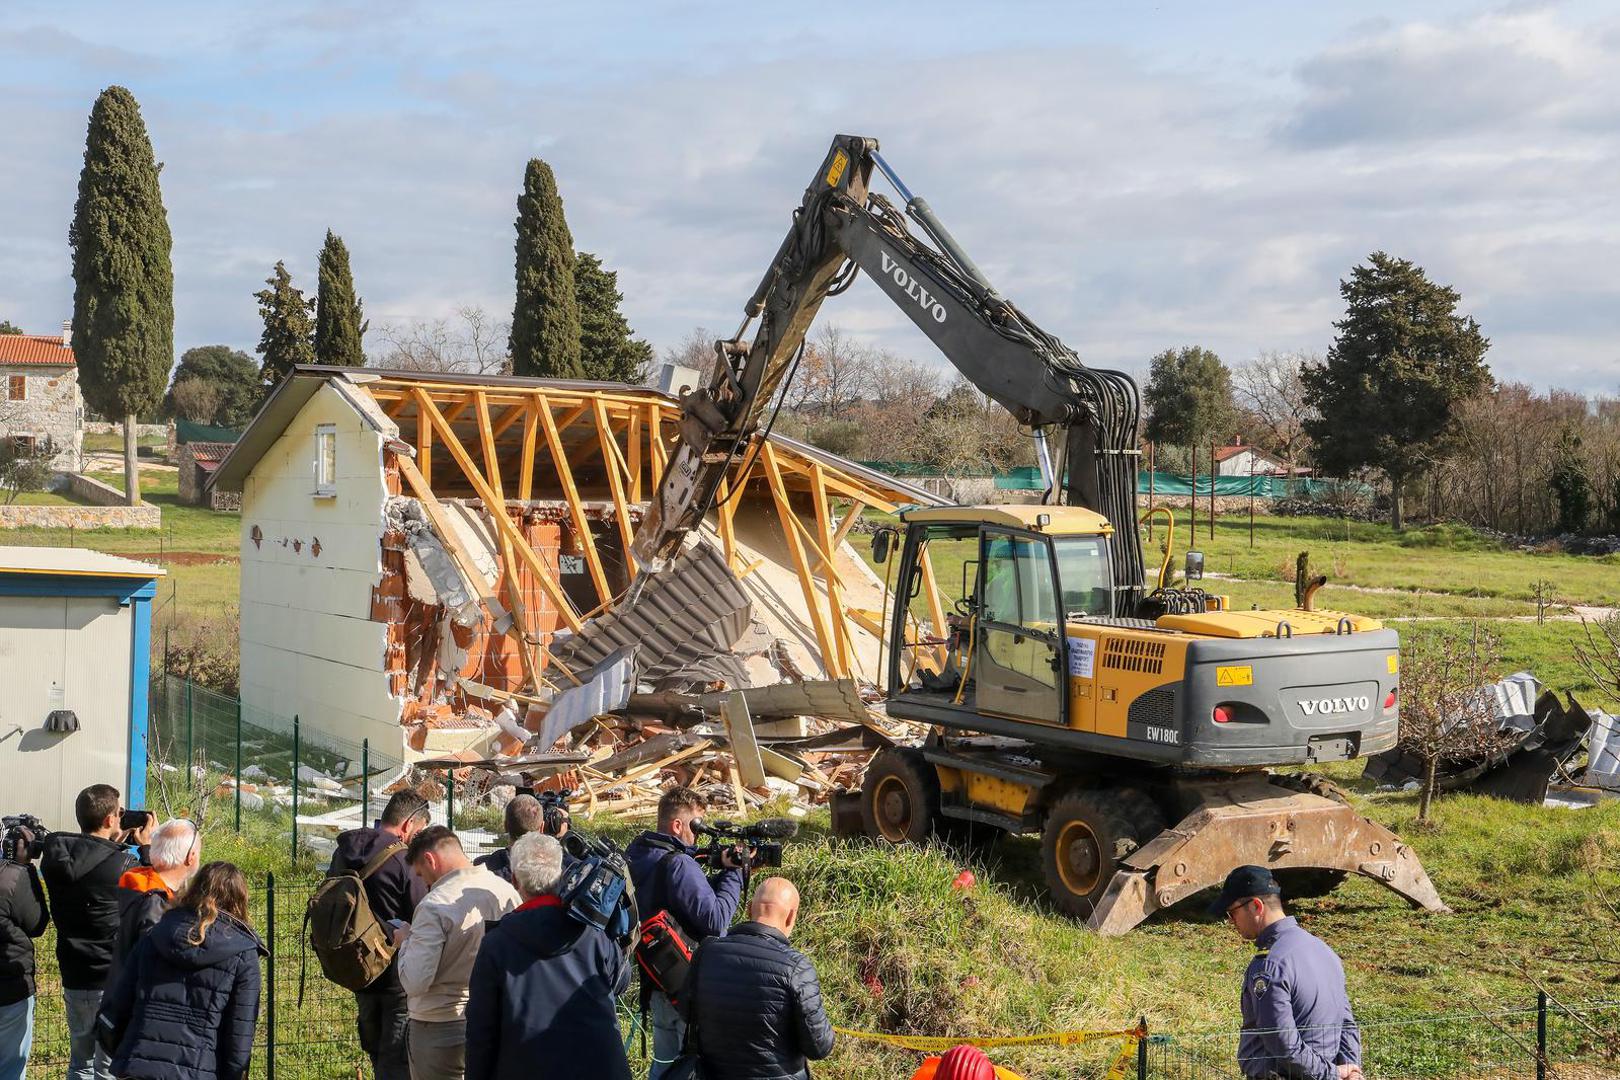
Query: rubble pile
[[1544, 754]]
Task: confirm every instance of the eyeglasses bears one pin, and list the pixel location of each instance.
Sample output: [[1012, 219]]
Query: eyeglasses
[[1231, 912]]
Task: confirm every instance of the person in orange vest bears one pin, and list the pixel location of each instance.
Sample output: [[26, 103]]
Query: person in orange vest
[[965, 1062], [145, 892]]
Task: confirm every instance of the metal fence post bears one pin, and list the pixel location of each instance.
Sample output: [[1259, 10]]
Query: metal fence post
[[191, 733], [295, 790], [239, 765], [1141, 1051], [1541, 1035], [450, 798], [270, 964], [365, 782]]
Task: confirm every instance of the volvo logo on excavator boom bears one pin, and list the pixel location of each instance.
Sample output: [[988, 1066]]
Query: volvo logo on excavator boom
[[913, 288]]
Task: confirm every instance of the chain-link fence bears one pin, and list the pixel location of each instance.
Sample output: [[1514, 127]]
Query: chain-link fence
[[272, 772], [1544, 1038]]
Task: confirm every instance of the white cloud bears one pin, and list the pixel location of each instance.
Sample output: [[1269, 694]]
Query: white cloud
[[1127, 205]]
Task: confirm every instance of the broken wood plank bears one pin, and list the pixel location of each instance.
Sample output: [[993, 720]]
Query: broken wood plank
[[740, 733]]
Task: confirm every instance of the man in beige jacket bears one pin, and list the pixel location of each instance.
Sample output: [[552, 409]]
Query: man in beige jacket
[[437, 949]]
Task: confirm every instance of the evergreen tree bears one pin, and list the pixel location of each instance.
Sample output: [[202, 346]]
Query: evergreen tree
[[545, 335], [1571, 485], [1189, 399], [231, 372], [6, 327], [1403, 361], [288, 337], [338, 327], [123, 282], [607, 348]]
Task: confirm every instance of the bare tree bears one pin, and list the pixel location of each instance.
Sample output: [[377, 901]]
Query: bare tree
[[1599, 655], [695, 351], [836, 373], [471, 342], [1270, 390], [1448, 713]]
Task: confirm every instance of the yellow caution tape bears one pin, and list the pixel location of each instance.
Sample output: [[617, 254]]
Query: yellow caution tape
[[1120, 1067], [1050, 1038]]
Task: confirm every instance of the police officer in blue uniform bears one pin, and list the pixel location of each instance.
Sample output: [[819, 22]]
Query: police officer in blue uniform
[[1297, 1022]]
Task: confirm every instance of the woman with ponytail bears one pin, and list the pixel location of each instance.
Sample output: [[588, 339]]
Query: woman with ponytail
[[185, 1006]]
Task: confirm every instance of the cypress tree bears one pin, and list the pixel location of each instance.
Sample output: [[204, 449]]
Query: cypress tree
[[288, 337], [545, 313], [608, 349], [123, 281], [338, 328]]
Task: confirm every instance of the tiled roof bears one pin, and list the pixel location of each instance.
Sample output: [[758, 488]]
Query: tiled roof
[[33, 349], [1225, 452], [209, 453]]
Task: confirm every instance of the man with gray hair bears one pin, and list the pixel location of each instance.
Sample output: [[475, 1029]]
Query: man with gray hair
[[144, 892], [544, 983]]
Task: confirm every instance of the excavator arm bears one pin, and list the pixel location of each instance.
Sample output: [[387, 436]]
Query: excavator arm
[[842, 227]]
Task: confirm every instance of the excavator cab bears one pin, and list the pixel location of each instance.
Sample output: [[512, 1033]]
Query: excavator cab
[[1025, 574]]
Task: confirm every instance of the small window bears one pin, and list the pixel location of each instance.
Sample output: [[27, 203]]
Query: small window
[[17, 388], [326, 459]]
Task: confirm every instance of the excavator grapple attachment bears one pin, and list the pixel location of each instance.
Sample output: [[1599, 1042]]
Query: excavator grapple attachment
[[1261, 822]]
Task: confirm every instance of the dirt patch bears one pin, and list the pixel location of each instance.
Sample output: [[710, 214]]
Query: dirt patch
[[183, 558]]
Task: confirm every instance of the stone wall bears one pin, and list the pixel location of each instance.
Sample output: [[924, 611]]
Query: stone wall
[[145, 516], [94, 491], [50, 410], [112, 427]]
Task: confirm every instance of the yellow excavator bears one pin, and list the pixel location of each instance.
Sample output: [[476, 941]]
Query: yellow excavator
[[1134, 729]]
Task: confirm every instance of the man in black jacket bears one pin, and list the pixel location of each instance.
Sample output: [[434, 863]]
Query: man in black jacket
[[23, 917], [81, 874], [524, 815], [755, 1002], [393, 892]]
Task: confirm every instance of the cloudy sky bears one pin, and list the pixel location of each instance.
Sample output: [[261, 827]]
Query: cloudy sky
[[1134, 176]]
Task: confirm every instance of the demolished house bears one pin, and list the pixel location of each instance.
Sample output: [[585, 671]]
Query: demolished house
[[436, 563], [1542, 738]]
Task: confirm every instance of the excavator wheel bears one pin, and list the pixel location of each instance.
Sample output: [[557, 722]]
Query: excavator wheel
[[1087, 833], [1309, 883], [900, 797]]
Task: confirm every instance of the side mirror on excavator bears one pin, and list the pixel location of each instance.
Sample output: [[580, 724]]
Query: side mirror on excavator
[[882, 540]]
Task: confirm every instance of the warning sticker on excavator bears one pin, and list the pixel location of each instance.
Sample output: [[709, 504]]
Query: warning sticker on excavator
[[1082, 657], [1235, 675], [839, 164]]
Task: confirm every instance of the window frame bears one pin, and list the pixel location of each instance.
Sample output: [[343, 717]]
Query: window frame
[[325, 461], [14, 380]]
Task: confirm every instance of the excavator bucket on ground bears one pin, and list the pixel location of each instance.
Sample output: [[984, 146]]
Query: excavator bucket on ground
[[1301, 835]]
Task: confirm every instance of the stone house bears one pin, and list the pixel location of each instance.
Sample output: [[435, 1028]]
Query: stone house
[[197, 462], [40, 404]]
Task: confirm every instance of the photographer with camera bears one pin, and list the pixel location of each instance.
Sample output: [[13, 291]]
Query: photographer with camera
[[23, 917], [81, 872], [668, 879], [145, 892], [525, 814]]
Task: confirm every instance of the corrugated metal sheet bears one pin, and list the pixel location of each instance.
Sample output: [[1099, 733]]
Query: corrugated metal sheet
[[685, 619]]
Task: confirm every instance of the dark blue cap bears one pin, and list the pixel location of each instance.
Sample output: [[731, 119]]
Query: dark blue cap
[[1242, 883]]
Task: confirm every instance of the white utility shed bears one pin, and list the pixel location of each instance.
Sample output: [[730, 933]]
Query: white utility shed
[[75, 638]]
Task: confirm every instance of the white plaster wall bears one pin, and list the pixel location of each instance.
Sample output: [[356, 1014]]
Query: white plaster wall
[[309, 646]]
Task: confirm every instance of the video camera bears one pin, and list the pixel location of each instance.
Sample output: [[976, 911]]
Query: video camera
[[595, 888], [763, 837], [22, 829]]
